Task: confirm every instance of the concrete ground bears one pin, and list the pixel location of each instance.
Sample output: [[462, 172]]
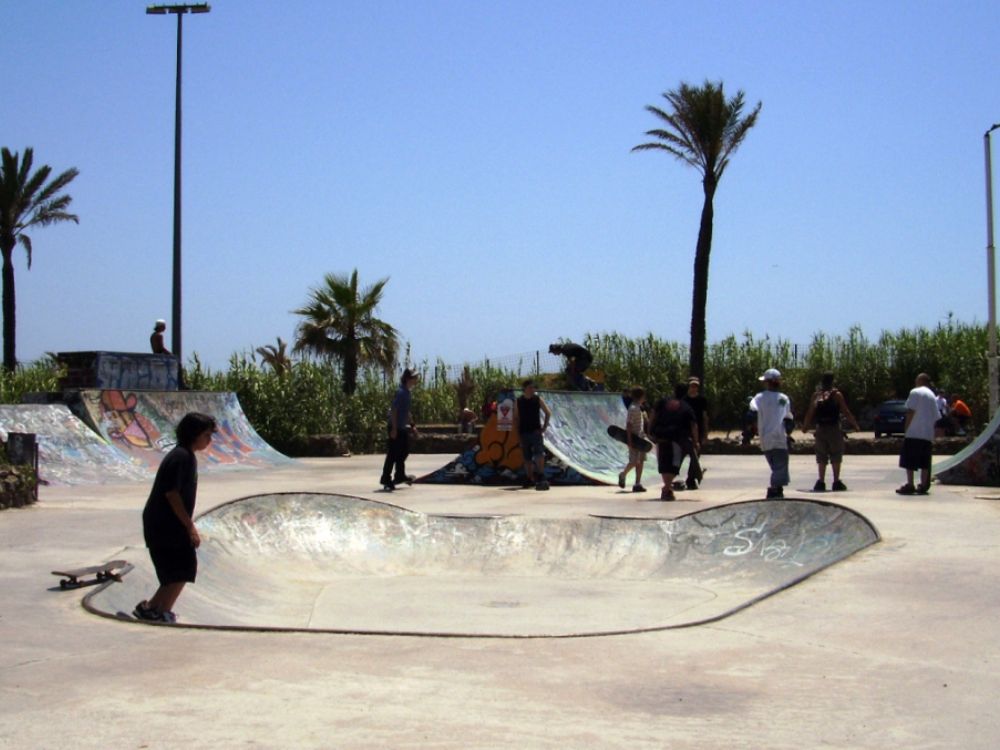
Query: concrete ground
[[895, 647]]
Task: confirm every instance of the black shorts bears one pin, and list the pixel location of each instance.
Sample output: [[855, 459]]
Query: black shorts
[[174, 564], [669, 457], [916, 454]]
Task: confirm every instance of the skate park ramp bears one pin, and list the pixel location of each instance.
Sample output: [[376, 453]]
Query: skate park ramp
[[140, 425], [976, 464], [69, 452], [333, 563], [579, 447]]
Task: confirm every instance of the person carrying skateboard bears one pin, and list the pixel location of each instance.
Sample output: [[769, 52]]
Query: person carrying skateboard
[[635, 430], [528, 410], [399, 426], [167, 519]]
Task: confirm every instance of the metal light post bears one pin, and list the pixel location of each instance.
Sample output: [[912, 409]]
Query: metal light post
[[179, 11], [991, 282]]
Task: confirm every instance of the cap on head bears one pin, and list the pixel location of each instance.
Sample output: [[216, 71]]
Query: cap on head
[[770, 376], [693, 381]]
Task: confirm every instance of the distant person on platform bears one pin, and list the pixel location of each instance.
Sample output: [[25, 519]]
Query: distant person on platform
[[578, 360], [918, 440], [156, 338], [530, 427], [774, 425], [399, 426], [825, 410], [699, 405]]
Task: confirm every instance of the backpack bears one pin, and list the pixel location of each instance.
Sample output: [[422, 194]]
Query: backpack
[[827, 408], [665, 425]]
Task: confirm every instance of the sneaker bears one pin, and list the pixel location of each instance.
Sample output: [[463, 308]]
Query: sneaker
[[923, 489], [839, 486], [143, 611], [667, 494], [691, 484], [774, 493], [387, 484], [621, 480], [638, 488], [542, 485], [906, 489], [820, 486], [168, 617]]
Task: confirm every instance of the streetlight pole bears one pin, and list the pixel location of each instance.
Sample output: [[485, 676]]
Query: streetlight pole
[[991, 282], [179, 11]]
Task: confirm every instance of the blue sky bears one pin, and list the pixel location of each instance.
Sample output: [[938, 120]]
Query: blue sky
[[478, 154]]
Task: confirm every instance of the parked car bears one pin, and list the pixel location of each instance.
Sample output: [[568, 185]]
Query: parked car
[[890, 418]]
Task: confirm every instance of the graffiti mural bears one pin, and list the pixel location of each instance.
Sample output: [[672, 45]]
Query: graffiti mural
[[141, 425], [69, 452], [578, 447]]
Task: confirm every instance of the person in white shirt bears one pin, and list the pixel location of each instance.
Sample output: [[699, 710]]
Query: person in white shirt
[[918, 439], [774, 420]]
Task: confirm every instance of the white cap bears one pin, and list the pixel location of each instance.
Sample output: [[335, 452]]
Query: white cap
[[770, 374]]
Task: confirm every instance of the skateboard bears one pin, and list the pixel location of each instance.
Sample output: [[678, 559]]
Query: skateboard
[[619, 434], [109, 571]]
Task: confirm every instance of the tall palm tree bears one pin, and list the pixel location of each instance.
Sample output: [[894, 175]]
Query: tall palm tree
[[26, 201], [703, 129], [340, 324]]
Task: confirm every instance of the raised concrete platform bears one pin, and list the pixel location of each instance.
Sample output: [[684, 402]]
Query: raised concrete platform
[[893, 647]]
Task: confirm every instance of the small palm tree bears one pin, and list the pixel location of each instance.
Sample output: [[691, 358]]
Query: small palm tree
[[26, 201], [703, 129], [340, 324], [276, 357]]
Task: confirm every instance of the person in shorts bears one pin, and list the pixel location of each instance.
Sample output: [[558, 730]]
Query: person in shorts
[[825, 410], [167, 520], [635, 430], [674, 428], [529, 409], [922, 414]]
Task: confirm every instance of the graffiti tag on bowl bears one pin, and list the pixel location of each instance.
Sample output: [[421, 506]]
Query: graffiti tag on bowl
[[756, 538]]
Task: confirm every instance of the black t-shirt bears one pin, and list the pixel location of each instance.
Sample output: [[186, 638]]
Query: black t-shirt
[[529, 417], [672, 420], [160, 525], [699, 405]]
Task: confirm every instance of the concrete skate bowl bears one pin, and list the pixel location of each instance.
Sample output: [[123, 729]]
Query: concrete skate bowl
[[337, 564]]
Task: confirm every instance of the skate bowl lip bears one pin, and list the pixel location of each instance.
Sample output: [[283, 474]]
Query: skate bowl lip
[[93, 603]]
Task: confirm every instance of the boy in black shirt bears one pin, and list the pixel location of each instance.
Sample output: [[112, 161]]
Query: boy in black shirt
[[167, 522]]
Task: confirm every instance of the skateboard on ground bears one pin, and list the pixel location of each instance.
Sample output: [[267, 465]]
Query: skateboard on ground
[[619, 434], [77, 577]]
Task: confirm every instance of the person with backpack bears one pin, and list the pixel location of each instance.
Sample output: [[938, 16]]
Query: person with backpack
[[674, 427], [826, 408]]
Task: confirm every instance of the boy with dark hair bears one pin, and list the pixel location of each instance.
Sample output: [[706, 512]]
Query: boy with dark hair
[[528, 410], [399, 425], [674, 429], [167, 519], [826, 407]]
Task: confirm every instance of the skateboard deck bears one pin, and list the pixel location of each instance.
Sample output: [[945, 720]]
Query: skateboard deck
[[619, 434], [77, 577]]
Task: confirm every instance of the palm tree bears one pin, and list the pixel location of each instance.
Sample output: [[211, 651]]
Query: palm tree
[[703, 129], [26, 201], [340, 324], [276, 357]]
